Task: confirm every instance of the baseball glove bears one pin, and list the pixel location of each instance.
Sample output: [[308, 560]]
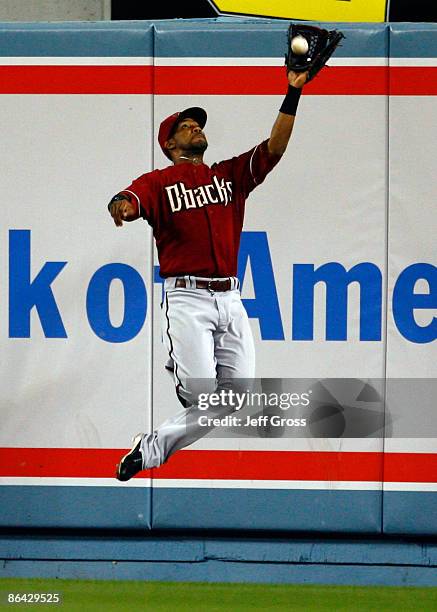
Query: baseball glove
[[313, 52]]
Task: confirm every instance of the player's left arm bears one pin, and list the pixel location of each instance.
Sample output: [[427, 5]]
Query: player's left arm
[[283, 126]]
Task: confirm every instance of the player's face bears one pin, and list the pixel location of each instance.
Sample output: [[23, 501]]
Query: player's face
[[188, 136]]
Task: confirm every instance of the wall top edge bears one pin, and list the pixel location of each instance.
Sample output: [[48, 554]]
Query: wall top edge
[[222, 21], [205, 38]]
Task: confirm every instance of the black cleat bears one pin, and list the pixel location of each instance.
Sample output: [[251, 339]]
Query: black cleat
[[132, 462]]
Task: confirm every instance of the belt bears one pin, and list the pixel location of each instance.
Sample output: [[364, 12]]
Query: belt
[[211, 285]]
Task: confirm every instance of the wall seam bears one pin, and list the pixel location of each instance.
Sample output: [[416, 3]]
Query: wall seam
[[152, 294], [387, 243]]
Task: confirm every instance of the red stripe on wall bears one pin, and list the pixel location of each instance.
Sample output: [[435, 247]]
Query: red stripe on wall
[[410, 467], [274, 465], [76, 79], [218, 80], [226, 465], [59, 462], [268, 80], [413, 81]]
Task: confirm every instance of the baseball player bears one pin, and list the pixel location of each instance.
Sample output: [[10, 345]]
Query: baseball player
[[196, 213]]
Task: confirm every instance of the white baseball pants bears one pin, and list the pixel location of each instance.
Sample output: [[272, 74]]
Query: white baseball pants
[[210, 346]]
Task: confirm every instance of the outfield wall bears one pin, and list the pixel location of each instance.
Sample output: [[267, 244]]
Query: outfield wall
[[353, 199]]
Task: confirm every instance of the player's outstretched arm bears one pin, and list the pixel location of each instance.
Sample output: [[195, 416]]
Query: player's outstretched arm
[[283, 126], [308, 50], [122, 209]]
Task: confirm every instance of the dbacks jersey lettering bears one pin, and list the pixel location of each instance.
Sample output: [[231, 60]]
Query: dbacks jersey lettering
[[182, 198]]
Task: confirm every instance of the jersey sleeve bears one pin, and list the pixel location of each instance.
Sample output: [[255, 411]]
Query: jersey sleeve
[[143, 190], [251, 168]]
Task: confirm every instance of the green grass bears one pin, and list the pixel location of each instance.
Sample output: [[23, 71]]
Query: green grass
[[102, 596]]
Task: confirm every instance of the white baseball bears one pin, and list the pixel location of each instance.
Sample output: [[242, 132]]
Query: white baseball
[[299, 45]]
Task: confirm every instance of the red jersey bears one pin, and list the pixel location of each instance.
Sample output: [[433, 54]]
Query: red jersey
[[197, 211]]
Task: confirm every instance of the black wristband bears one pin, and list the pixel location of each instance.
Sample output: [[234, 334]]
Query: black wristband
[[291, 100], [117, 198]]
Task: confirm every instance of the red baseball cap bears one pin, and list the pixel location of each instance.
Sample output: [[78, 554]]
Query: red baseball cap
[[168, 125]]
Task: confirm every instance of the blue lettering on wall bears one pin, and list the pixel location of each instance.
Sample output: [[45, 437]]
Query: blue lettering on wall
[[265, 306], [405, 301], [337, 279], [24, 294], [135, 302]]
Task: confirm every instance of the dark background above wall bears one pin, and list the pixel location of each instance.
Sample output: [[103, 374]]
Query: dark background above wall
[[399, 10]]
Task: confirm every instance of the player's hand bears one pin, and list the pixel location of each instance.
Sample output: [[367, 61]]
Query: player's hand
[[297, 79], [123, 210]]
